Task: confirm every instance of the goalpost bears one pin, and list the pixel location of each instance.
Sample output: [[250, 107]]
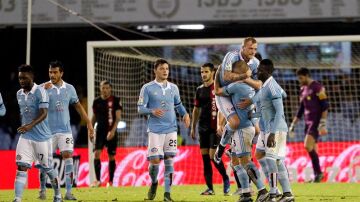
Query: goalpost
[[333, 60]]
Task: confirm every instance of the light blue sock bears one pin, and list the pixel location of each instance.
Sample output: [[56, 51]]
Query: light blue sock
[[169, 170], [283, 176], [264, 167], [243, 178], [69, 174], [273, 172], [254, 175], [153, 172], [53, 176], [20, 181], [228, 133], [43, 177]]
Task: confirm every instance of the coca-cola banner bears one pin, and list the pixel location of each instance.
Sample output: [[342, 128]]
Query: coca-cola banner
[[340, 162]]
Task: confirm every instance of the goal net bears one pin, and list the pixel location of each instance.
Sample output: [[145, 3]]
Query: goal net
[[334, 61]]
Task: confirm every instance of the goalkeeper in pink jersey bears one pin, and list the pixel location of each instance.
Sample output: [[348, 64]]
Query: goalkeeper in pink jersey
[[314, 105]]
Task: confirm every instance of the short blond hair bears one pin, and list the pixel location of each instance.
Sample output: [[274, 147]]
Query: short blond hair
[[249, 39]]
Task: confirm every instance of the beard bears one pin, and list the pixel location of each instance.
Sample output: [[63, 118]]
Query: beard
[[263, 77]]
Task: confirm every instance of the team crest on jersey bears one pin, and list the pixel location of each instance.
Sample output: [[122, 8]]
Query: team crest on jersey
[[18, 157], [154, 149]]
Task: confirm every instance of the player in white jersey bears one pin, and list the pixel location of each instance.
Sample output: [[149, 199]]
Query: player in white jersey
[[227, 76], [158, 100], [34, 144], [61, 95]]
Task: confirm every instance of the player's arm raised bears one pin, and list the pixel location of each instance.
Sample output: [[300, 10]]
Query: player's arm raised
[[256, 84]]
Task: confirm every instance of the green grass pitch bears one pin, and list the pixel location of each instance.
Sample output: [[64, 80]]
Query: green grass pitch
[[324, 192]]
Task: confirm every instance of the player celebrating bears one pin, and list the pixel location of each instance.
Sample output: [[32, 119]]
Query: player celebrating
[[226, 77], [158, 100], [314, 106], [272, 113], [2, 107], [61, 95], [205, 112], [241, 144], [35, 141], [107, 113]]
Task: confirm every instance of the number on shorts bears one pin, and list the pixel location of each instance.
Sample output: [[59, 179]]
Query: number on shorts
[[172, 143], [69, 140], [41, 156]]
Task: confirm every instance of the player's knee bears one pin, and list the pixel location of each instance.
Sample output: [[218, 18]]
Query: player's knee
[[259, 155], [112, 157], [308, 147], [204, 151], [244, 160], [66, 154], [235, 161], [155, 161], [234, 122], [22, 168], [97, 154]]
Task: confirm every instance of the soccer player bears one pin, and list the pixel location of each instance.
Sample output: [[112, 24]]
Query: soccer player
[[61, 95], [205, 116], [314, 106], [2, 107], [34, 144], [107, 114], [241, 144], [158, 100], [227, 76], [272, 114]]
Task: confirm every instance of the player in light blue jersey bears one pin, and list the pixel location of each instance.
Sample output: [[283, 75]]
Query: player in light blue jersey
[[227, 76], [61, 95], [34, 144], [272, 113], [158, 100], [241, 144], [2, 107]]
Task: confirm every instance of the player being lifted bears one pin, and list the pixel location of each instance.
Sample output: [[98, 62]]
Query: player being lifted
[[158, 100], [226, 76], [272, 114], [34, 144], [107, 113], [205, 115], [61, 95], [314, 106], [241, 144]]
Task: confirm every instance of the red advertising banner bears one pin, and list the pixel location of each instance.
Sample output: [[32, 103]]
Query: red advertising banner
[[340, 162]]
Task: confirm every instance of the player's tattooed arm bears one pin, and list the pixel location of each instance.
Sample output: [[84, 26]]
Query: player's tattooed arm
[[230, 76], [256, 84], [41, 116]]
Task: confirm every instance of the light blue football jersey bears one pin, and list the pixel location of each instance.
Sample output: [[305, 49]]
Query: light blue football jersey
[[153, 96], [272, 108], [60, 97], [239, 92], [232, 57], [29, 105]]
